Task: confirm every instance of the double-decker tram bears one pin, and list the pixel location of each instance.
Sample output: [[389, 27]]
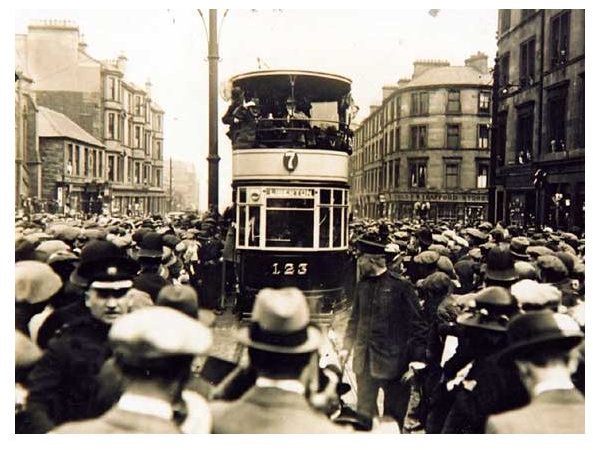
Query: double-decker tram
[[291, 142]]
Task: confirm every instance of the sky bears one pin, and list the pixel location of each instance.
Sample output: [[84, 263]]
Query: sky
[[371, 47]]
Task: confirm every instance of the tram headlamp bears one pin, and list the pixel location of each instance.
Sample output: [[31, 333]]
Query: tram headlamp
[[254, 196]]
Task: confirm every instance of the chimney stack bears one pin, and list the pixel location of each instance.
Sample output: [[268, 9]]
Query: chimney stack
[[479, 61], [422, 66], [121, 62]]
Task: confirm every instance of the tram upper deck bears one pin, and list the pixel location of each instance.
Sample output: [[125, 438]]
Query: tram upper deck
[[290, 109]]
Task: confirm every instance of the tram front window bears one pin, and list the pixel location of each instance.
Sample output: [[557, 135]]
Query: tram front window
[[289, 228]]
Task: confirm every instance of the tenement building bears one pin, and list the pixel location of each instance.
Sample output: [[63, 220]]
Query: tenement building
[[540, 118], [122, 118], [424, 152]]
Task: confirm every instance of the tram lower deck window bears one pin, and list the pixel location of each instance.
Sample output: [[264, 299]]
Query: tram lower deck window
[[289, 228]]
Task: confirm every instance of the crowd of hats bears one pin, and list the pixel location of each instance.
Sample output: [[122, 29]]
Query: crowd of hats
[[518, 270], [54, 251]]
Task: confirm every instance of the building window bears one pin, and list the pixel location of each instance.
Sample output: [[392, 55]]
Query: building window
[[101, 155], [111, 126], [158, 177], [77, 155], [146, 174], [137, 170], [398, 107], [417, 174], [111, 88], [86, 162], [504, 69], [580, 141], [395, 174], [111, 168], [147, 142], [557, 118], [397, 139], [130, 170], [70, 162], [94, 162], [419, 104], [120, 169], [418, 137], [505, 20], [484, 102], [559, 39], [451, 175], [138, 105], [482, 176], [527, 67], [453, 138], [524, 147], [483, 136], [501, 139], [454, 101], [137, 136]]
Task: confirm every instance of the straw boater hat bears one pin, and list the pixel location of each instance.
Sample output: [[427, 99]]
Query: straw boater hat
[[281, 323], [540, 331]]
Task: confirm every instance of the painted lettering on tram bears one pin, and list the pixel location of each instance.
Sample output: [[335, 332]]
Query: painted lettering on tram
[[289, 268]]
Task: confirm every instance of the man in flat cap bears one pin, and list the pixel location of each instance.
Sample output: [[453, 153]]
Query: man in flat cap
[[63, 385], [280, 342], [154, 348], [35, 284], [542, 345], [385, 334]]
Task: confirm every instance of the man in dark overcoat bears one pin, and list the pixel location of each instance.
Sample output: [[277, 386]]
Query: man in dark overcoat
[[385, 334]]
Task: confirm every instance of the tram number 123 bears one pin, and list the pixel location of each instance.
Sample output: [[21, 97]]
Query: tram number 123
[[289, 269]]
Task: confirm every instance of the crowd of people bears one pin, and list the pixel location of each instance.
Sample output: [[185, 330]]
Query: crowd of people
[[466, 330], [469, 329]]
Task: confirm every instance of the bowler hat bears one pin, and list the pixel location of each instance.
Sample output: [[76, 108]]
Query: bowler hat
[[151, 245], [185, 299], [538, 250], [519, 248], [281, 323], [540, 331], [157, 332], [500, 265]]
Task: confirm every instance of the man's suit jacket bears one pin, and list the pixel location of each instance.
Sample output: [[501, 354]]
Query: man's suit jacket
[[558, 411], [386, 324], [270, 410], [118, 421]]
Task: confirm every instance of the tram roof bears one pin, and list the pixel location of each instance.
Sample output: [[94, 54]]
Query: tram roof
[[318, 86]]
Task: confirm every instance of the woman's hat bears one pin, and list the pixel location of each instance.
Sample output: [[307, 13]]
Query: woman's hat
[[281, 323], [494, 308]]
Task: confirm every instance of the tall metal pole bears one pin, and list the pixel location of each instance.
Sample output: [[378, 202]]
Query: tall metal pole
[[492, 216], [170, 183], [213, 157]]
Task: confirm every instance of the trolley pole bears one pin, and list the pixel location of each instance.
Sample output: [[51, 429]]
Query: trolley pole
[[213, 157]]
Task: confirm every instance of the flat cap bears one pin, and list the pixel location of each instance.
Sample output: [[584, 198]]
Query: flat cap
[[427, 257], [538, 250], [157, 332], [52, 246], [35, 282], [553, 266], [476, 234], [532, 294], [440, 239]]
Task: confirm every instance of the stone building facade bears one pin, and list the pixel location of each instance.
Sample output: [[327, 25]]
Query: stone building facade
[[184, 189], [540, 118], [95, 95], [425, 150]]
